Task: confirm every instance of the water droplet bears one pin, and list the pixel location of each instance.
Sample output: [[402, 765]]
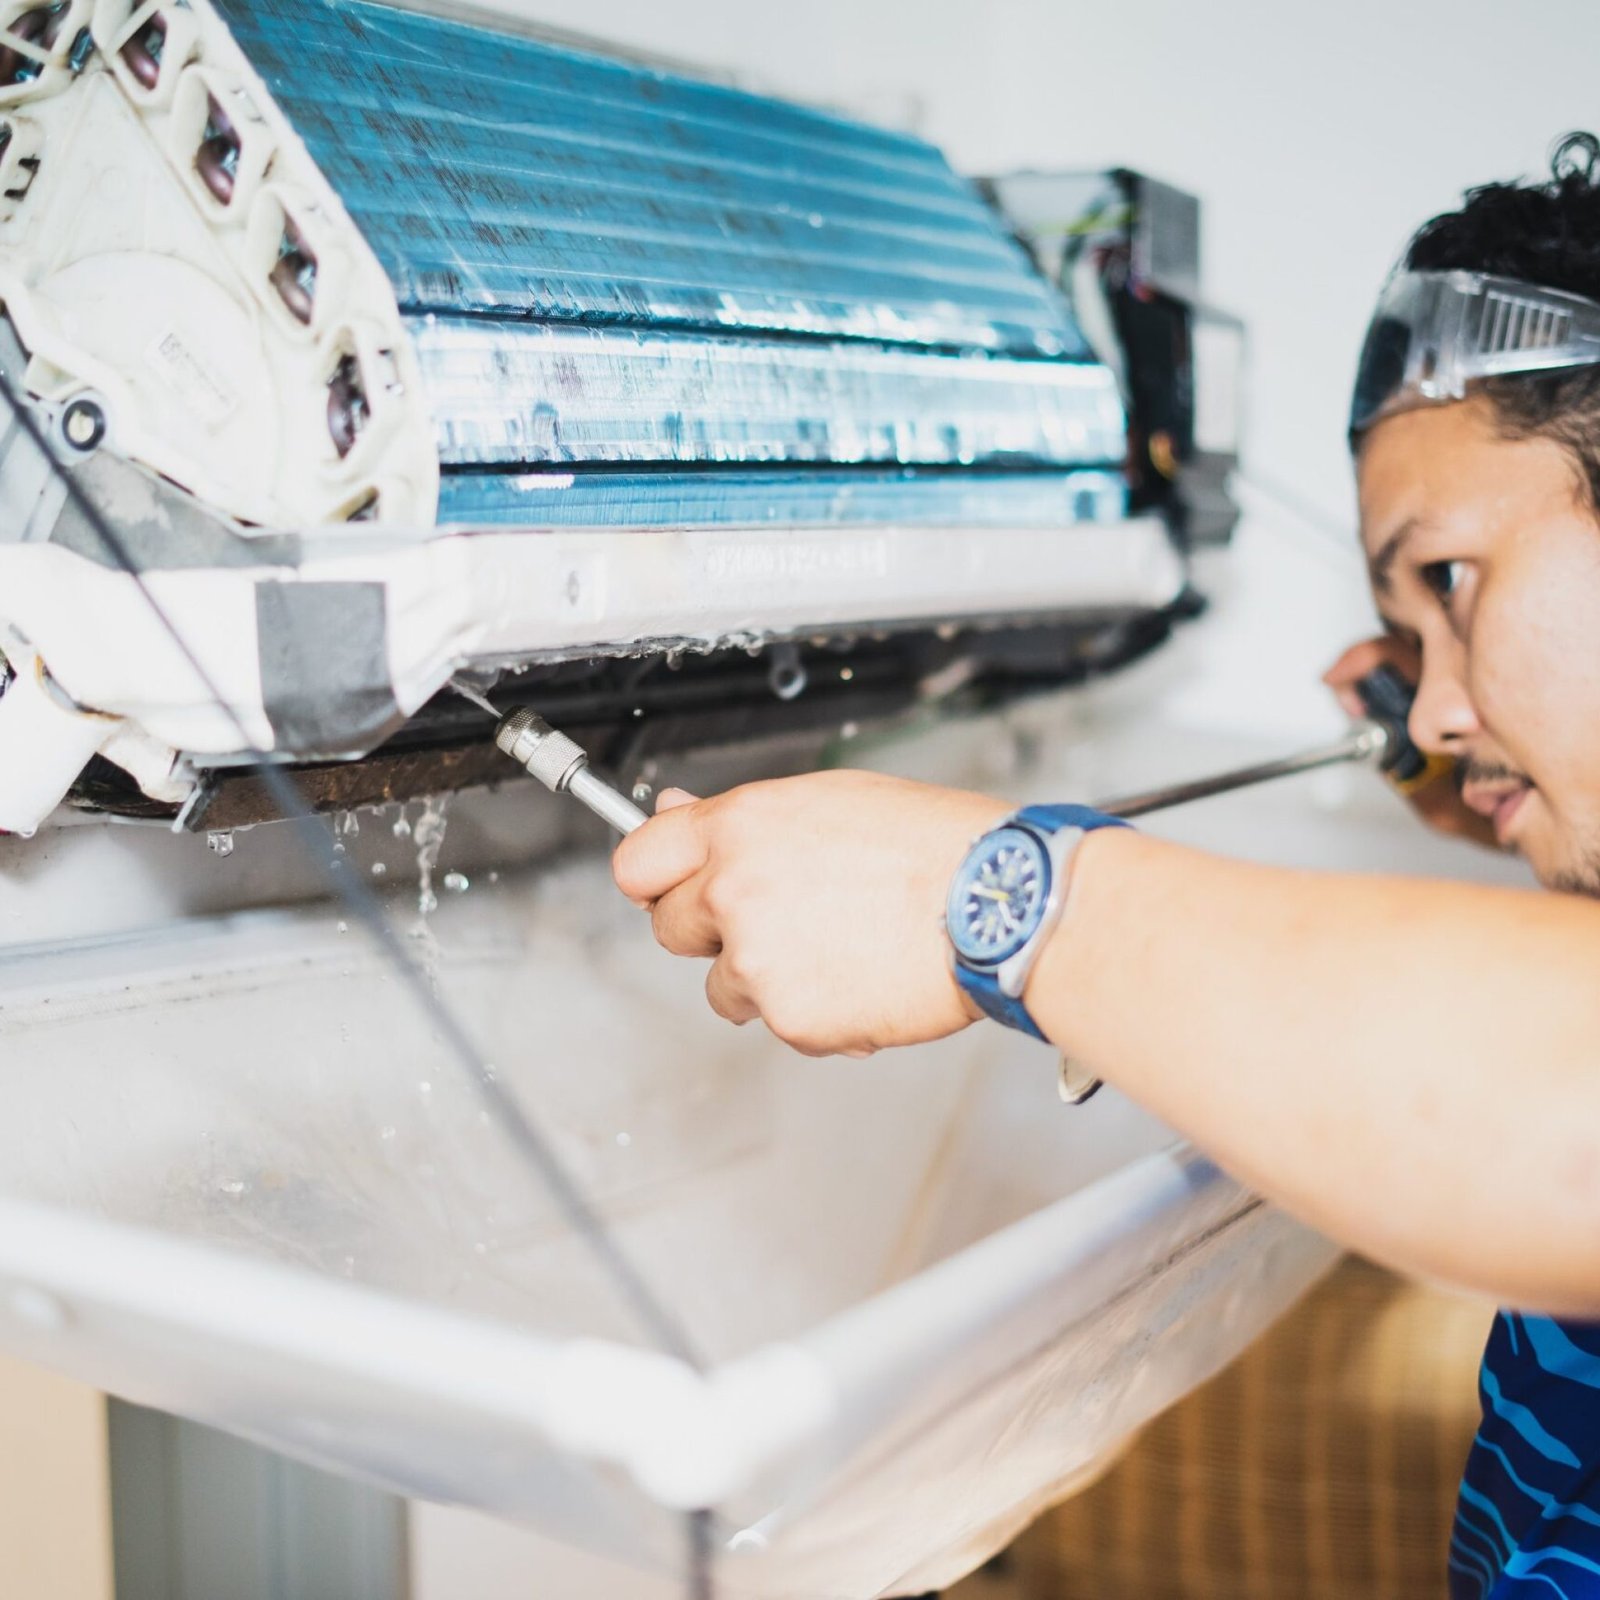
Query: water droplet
[[378, 869], [220, 844], [457, 882], [425, 1088], [494, 877], [233, 1186], [846, 674], [849, 730], [643, 794], [479, 1248], [402, 825], [386, 1134], [624, 1140], [344, 927], [349, 1265]]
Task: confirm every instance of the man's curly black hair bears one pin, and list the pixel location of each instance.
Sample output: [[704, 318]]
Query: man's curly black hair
[[1546, 233]]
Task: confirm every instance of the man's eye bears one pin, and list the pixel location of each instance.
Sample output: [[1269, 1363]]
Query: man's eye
[[1443, 578]]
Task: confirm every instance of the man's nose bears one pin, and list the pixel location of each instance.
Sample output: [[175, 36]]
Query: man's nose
[[1443, 717]]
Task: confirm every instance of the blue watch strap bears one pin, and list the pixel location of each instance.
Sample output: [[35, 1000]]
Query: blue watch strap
[[984, 987], [1051, 819]]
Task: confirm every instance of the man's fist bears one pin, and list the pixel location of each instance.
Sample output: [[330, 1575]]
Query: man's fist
[[820, 901]]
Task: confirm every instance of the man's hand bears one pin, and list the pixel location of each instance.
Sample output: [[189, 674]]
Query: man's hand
[[821, 900], [1438, 803]]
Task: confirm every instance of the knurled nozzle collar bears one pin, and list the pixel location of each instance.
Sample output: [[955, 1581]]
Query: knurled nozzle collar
[[532, 743]]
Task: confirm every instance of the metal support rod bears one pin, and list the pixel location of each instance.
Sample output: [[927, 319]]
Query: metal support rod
[[1365, 742]]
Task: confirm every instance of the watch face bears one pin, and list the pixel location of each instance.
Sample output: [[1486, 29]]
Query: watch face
[[998, 897]]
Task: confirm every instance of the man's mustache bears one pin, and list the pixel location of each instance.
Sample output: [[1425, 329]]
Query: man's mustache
[[1467, 770]]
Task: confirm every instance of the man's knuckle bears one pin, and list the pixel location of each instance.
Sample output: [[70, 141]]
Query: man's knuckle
[[721, 896], [791, 1024], [739, 966]]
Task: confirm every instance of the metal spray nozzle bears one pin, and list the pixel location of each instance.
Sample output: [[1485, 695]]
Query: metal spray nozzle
[[562, 766]]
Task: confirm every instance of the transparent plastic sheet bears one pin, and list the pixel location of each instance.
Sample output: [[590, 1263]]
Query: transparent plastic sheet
[[990, 1291], [332, 1252]]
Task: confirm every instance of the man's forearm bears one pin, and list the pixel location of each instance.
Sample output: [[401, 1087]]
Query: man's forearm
[[1412, 1066]]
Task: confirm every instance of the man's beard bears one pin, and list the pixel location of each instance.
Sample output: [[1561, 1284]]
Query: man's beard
[[1584, 880]]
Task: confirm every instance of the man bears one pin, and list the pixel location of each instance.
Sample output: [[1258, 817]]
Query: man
[[1412, 1067]]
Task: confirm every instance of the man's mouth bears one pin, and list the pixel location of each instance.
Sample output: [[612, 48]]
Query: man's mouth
[[1499, 801]]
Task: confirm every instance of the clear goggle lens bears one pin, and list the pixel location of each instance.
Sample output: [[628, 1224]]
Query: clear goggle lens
[[1435, 332]]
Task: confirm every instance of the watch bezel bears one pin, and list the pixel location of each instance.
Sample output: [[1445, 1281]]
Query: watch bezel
[[981, 846]]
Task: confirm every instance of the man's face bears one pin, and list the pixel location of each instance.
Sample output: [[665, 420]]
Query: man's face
[[1485, 559]]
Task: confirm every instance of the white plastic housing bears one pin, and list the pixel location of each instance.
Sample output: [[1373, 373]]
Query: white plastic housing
[[124, 274], [46, 745]]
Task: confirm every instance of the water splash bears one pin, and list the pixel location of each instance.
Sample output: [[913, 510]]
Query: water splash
[[476, 696], [428, 831]]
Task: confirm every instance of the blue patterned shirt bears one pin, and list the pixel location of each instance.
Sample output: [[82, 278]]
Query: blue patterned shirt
[[1528, 1521]]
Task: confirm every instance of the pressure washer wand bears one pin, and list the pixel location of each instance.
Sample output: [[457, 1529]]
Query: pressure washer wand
[[562, 765], [1381, 739]]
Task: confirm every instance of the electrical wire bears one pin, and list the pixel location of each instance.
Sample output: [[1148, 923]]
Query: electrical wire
[[659, 1323]]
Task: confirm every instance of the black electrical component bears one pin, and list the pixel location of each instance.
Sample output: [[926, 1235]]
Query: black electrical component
[[1124, 248]]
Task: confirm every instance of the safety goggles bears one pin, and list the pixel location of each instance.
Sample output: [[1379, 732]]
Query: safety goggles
[[1435, 332]]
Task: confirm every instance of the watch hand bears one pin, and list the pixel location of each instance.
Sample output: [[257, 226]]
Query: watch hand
[[1002, 895]]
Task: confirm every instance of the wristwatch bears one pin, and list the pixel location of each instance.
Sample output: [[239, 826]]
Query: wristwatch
[[1005, 900]]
